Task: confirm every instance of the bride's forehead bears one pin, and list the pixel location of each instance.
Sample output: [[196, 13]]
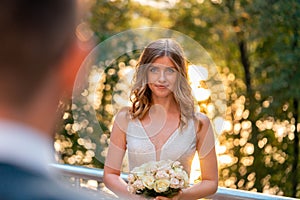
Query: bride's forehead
[[163, 62]]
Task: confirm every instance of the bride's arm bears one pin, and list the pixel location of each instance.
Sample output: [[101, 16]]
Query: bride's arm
[[113, 162], [114, 158], [208, 162], [209, 183]]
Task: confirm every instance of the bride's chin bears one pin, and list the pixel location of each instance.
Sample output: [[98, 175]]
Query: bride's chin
[[162, 96]]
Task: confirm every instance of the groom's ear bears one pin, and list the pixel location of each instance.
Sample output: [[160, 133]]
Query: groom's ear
[[72, 62]]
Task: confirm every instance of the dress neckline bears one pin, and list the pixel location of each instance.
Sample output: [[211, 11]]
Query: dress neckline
[[158, 153]]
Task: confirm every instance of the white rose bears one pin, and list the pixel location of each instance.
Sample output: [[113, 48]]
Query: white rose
[[138, 171], [180, 174], [161, 185], [131, 189], [176, 164], [164, 165], [186, 179], [130, 178], [174, 183], [172, 173], [162, 175], [147, 166], [138, 184], [182, 184], [178, 170], [148, 182]]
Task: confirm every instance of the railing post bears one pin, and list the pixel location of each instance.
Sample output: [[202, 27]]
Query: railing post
[[77, 182]]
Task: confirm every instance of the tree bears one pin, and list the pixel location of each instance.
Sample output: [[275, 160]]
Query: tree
[[277, 58]]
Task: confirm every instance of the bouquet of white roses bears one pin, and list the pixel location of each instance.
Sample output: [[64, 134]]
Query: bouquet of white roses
[[162, 178]]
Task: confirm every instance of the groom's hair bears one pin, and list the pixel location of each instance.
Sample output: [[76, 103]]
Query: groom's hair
[[34, 36]]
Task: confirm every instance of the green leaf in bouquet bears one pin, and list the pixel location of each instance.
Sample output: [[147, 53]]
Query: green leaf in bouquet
[[152, 193]]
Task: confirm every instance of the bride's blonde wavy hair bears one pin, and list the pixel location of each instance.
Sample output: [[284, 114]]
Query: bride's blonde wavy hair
[[141, 94]]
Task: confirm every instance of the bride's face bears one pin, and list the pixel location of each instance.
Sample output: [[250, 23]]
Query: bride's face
[[162, 76]]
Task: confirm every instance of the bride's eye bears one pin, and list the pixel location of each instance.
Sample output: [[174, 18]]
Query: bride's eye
[[170, 70], [153, 69]]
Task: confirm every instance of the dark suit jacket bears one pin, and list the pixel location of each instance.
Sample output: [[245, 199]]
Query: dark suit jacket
[[17, 183]]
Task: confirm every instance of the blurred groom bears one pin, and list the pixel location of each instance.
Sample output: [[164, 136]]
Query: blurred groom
[[38, 52]]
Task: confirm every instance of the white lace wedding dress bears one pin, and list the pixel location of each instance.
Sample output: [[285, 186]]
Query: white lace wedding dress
[[180, 146]]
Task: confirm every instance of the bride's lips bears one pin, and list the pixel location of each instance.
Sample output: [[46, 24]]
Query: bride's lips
[[161, 86]]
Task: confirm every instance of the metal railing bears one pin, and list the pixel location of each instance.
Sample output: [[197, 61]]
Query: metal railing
[[83, 173]]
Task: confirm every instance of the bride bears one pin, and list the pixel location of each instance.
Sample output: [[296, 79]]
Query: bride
[[161, 124]]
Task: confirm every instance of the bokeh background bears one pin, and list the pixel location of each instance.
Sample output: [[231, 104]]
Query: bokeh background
[[255, 46]]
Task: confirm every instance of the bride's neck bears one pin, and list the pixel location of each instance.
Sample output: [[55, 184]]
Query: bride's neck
[[168, 105]]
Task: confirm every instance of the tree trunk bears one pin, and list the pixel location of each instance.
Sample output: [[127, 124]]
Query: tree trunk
[[296, 117], [243, 56], [296, 150]]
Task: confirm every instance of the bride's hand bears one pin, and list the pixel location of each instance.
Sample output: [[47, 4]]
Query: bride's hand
[[176, 197], [140, 197]]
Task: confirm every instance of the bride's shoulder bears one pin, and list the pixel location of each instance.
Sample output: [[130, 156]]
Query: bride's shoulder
[[122, 118], [201, 121], [123, 112], [199, 116]]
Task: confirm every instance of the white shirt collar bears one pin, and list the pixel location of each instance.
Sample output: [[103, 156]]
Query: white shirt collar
[[24, 146]]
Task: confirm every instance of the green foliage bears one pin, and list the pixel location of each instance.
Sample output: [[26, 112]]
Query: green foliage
[[109, 17], [277, 58]]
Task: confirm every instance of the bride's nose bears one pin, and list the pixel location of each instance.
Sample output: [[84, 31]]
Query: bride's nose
[[162, 76]]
